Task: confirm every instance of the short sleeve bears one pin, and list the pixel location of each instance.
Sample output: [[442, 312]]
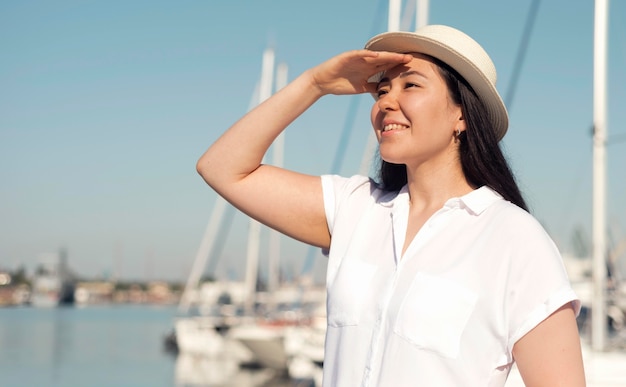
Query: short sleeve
[[538, 284], [337, 189]]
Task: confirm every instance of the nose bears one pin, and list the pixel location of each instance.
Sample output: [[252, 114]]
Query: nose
[[388, 102]]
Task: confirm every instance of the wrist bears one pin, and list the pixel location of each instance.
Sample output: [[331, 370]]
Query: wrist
[[311, 84]]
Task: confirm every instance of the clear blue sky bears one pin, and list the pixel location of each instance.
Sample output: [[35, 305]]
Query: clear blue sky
[[105, 106]]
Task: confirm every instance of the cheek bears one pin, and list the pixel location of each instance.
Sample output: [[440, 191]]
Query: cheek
[[374, 113]]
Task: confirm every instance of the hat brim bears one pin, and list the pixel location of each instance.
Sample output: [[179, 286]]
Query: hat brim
[[409, 42]]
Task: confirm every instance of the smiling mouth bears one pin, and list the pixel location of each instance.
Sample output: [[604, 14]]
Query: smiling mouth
[[390, 127]]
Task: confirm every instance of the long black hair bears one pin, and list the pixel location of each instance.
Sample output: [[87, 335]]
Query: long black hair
[[481, 157]]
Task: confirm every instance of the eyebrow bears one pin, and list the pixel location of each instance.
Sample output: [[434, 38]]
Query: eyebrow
[[404, 75]]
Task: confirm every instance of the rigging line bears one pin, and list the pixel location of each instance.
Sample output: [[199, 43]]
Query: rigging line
[[616, 138], [220, 239], [345, 134], [521, 53], [573, 196]]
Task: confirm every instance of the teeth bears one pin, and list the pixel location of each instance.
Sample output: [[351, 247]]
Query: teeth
[[393, 127]]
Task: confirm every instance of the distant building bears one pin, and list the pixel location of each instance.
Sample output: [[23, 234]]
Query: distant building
[[52, 283], [11, 292], [94, 292]]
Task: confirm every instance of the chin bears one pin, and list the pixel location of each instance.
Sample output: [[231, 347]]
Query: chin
[[391, 160]]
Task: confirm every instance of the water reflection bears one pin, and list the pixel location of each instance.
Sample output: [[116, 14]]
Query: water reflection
[[73, 347], [202, 371], [111, 346], [61, 339], [193, 370]]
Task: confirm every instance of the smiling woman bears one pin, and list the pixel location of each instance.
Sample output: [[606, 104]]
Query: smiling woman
[[437, 265]]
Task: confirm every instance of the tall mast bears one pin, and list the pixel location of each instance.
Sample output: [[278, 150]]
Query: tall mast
[[254, 230], [393, 20], [421, 16], [278, 152], [206, 246], [598, 307]]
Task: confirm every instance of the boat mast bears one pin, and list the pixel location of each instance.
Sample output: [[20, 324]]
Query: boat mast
[[598, 306], [254, 230], [393, 18], [277, 160], [421, 15], [206, 246]]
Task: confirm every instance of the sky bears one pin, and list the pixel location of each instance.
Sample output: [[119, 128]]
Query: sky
[[105, 107]]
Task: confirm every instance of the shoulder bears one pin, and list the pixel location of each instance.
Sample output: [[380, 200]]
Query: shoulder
[[349, 197], [519, 221], [342, 182], [511, 228], [353, 187], [504, 216]]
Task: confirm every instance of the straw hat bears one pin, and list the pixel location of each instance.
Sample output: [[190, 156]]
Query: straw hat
[[458, 51]]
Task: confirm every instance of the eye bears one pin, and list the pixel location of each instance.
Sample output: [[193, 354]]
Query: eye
[[409, 85], [381, 91]]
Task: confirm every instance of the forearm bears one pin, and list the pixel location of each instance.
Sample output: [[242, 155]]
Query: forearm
[[240, 150]]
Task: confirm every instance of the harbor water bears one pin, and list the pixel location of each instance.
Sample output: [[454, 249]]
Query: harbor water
[[113, 345], [124, 346]]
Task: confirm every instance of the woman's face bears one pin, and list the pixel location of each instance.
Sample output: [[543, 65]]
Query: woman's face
[[414, 118]]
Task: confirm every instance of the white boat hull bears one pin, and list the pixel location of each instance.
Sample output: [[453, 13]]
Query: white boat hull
[[199, 336]]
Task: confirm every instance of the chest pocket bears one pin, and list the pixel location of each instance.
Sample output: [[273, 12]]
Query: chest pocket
[[349, 292], [434, 314]]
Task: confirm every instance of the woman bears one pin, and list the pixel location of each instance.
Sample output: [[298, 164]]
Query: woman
[[437, 274]]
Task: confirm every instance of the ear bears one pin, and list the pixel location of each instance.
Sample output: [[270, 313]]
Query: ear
[[461, 125]]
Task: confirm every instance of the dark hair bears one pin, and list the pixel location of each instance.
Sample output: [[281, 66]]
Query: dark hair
[[481, 157]]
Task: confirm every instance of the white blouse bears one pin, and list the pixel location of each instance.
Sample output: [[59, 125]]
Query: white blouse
[[479, 275]]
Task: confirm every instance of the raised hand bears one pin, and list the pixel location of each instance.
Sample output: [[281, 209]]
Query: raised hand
[[348, 73]]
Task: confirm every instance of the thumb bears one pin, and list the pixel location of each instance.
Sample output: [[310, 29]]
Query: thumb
[[370, 87]]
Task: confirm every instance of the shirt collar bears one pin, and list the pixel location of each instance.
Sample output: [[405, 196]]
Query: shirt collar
[[475, 202]]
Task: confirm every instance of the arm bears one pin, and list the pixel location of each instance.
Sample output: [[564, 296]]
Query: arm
[[550, 354], [287, 201]]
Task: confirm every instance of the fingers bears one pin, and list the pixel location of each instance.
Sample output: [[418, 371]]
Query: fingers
[[385, 60], [386, 57], [371, 87], [382, 62], [349, 73], [379, 61]]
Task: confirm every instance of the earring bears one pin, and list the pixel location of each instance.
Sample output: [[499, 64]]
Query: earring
[[458, 132]]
